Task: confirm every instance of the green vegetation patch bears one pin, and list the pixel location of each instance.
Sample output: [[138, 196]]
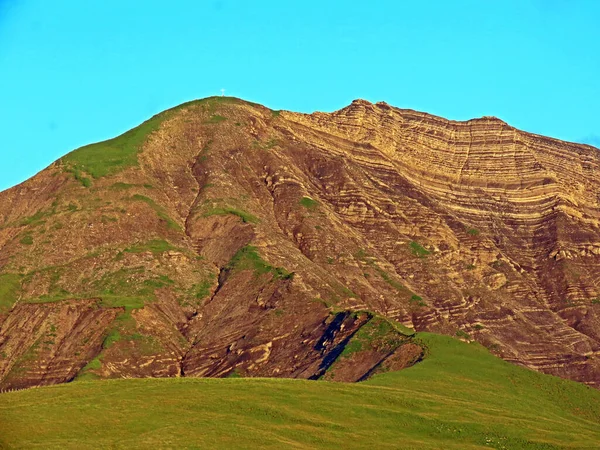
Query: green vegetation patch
[[121, 186], [389, 280], [234, 374], [344, 291], [94, 364], [112, 156], [247, 258], [403, 329], [108, 219], [112, 337], [215, 118], [377, 334], [27, 239], [156, 246], [52, 276], [36, 219], [160, 211], [462, 334], [121, 301], [309, 203], [160, 282], [265, 145], [86, 373], [202, 289], [417, 300], [129, 288], [418, 250], [364, 257], [472, 232], [198, 291], [85, 181], [361, 254], [125, 330], [245, 216], [10, 288]]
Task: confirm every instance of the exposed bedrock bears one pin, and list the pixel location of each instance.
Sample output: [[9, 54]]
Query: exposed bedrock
[[244, 241]]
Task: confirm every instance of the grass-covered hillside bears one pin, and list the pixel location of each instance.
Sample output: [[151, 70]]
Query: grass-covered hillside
[[459, 397]]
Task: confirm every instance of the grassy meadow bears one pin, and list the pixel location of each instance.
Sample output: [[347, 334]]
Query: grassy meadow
[[459, 397]]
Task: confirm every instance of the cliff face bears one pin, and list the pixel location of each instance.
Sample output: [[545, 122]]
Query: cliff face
[[222, 238]]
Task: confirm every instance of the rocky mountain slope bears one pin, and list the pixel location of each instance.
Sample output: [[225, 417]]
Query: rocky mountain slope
[[221, 238]]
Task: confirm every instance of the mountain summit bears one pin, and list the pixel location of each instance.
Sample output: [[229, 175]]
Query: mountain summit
[[222, 238]]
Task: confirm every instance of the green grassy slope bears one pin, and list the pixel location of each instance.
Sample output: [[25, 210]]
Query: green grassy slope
[[460, 397], [114, 155]]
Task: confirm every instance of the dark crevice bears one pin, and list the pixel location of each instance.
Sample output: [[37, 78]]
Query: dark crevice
[[330, 358], [328, 335], [221, 279], [331, 330], [184, 358]]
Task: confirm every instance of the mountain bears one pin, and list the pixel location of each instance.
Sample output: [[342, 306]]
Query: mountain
[[222, 238]]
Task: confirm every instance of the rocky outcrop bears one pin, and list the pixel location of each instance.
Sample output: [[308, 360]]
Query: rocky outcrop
[[50, 343], [244, 241]]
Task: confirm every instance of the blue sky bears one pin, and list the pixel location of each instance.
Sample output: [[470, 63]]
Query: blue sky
[[74, 72]]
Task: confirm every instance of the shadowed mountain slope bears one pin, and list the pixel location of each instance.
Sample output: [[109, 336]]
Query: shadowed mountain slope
[[223, 238]]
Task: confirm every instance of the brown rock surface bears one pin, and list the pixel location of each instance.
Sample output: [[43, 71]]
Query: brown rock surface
[[240, 240]]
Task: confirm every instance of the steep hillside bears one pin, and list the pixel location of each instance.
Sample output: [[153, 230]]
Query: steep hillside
[[459, 397], [221, 237]]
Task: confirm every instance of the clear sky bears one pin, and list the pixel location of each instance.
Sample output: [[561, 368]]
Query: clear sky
[[74, 72]]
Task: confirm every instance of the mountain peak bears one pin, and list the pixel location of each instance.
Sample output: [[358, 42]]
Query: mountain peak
[[361, 102]]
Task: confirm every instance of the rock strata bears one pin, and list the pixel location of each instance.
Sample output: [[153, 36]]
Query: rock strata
[[240, 241]]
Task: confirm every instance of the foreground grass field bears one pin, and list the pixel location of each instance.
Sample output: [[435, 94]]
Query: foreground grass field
[[460, 397]]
